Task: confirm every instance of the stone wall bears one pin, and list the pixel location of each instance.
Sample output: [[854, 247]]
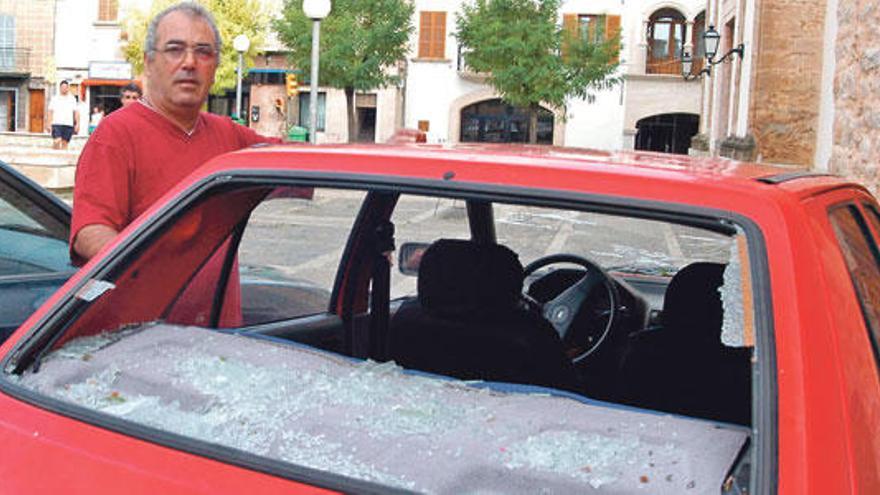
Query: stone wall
[[34, 22], [787, 82], [856, 150]]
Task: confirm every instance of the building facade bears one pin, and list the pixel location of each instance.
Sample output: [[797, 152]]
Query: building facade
[[653, 108], [805, 91], [26, 48], [88, 51]]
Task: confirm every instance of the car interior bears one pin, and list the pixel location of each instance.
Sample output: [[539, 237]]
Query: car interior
[[562, 321]]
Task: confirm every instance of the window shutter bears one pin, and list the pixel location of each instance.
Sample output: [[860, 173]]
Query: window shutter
[[570, 26], [612, 30], [432, 34], [424, 34], [439, 42], [108, 10]]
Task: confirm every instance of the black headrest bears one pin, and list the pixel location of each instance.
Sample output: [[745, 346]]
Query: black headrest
[[457, 277], [692, 303]]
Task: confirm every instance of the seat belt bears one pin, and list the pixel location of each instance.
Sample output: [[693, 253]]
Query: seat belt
[[380, 291]]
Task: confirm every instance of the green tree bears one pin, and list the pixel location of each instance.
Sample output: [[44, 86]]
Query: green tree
[[530, 59], [233, 17], [361, 41]]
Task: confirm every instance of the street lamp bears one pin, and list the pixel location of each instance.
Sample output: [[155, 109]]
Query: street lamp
[[241, 43], [315, 10], [711, 40]]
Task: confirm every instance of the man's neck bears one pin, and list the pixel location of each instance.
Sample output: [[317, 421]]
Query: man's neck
[[184, 120]]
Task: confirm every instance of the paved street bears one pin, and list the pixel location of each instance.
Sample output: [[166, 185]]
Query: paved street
[[305, 238]]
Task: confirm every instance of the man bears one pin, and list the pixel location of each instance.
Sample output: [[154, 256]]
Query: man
[[139, 152], [131, 93], [63, 116]]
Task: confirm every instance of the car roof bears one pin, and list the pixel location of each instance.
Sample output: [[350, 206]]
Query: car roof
[[640, 174]]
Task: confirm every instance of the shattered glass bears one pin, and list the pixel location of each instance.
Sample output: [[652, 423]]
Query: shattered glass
[[733, 328], [378, 423]]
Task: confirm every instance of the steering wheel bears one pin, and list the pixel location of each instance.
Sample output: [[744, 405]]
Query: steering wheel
[[561, 311]]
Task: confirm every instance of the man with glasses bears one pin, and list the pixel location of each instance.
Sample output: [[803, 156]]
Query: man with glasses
[[130, 93], [140, 152]]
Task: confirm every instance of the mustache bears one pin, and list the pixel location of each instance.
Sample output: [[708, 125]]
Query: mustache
[[186, 76]]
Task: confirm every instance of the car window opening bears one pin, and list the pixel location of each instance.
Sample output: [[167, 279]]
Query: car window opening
[[570, 346]]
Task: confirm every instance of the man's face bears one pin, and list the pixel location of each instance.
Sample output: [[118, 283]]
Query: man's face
[[128, 97], [181, 71], [64, 89]]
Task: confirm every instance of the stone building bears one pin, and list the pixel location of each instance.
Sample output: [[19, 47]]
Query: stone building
[[26, 47], [804, 91], [855, 151]]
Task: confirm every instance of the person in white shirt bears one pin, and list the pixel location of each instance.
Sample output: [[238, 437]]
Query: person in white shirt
[[64, 116]]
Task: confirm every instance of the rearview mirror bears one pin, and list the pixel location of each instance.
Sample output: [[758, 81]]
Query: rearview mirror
[[409, 257]]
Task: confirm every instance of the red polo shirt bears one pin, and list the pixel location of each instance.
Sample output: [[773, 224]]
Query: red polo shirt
[[134, 157]]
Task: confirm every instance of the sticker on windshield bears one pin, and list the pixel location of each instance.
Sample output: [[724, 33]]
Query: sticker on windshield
[[94, 289]]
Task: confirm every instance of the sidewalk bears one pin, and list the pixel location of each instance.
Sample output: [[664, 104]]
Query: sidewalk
[[32, 155]]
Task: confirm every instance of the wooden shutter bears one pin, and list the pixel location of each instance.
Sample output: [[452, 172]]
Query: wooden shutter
[[432, 35], [570, 26], [108, 10], [439, 35], [612, 30]]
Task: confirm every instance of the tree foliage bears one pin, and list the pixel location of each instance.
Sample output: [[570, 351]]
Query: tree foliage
[[233, 17], [360, 42], [529, 58]]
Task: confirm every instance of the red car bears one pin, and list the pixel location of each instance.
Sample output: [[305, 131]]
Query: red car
[[505, 320]]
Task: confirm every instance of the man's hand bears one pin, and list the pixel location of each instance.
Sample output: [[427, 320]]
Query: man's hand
[[91, 239]]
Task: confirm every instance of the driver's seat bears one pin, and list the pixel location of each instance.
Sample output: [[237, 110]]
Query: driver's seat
[[470, 320]]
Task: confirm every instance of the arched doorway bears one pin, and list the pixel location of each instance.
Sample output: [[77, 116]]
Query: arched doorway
[[668, 132], [493, 121]]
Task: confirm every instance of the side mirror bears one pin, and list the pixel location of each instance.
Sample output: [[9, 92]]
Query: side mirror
[[409, 256]]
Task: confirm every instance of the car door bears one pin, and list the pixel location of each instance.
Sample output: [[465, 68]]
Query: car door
[[849, 222], [34, 259]]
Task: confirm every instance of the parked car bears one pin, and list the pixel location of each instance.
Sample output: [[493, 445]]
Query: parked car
[[34, 261], [501, 319]]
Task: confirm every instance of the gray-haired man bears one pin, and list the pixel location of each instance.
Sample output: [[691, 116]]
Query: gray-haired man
[[141, 151]]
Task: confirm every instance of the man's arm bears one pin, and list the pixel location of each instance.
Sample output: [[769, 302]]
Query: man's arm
[[76, 120], [48, 125], [91, 239]]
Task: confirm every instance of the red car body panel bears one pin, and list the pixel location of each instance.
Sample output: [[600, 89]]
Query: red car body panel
[[828, 386], [47, 453]]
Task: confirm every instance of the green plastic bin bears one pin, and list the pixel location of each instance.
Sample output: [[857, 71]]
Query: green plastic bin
[[298, 133]]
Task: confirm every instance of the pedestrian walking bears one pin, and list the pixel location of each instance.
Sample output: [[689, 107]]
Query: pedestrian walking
[[63, 116]]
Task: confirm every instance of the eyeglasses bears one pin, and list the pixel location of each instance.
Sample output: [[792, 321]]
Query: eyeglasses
[[175, 52]]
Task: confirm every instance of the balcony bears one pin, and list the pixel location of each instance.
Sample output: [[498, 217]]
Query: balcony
[[670, 66], [15, 60]]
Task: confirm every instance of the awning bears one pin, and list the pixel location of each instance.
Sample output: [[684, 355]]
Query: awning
[[108, 82]]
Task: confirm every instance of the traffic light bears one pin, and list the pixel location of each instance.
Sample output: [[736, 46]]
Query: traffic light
[[291, 84]]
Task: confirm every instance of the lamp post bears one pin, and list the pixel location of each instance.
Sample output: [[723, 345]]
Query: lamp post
[[241, 44], [711, 41], [315, 10]]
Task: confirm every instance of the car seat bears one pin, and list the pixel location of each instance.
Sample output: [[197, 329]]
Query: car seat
[[470, 321], [684, 367]]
